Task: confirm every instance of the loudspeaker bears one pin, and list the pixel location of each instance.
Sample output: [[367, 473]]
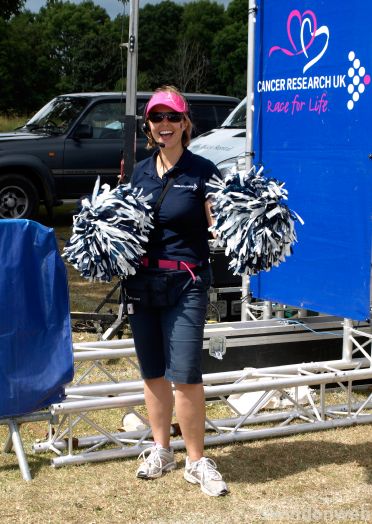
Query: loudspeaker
[[222, 276]]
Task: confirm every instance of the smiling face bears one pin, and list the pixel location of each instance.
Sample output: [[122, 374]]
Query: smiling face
[[165, 132]]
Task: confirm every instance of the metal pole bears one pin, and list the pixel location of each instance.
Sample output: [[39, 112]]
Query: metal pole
[[267, 310], [18, 448], [227, 438], [252, 8], [347, 344], [82, 405], [131, 91]]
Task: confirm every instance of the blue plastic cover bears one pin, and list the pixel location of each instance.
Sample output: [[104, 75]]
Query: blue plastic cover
[[36, 357], [312, 130]]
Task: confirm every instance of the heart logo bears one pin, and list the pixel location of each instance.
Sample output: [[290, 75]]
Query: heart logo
[[302, 29], [306, 19]]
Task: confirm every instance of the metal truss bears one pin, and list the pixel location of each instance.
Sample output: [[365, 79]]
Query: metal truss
[[72, 442], [14, 440]]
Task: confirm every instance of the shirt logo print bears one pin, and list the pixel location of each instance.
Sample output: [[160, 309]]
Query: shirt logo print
[[194, 187]]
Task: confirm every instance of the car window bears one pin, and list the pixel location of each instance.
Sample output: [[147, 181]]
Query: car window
[[223, 111], [238, 116], [106, 120], [141, 104], [58, 115], [203, 117]]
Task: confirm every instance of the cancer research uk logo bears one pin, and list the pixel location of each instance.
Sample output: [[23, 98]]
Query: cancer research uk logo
[[310, 40]]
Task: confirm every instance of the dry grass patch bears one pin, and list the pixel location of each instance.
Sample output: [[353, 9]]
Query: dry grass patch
[[276, 480]]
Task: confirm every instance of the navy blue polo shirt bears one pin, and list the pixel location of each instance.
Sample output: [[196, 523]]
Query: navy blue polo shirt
[[181, 227]]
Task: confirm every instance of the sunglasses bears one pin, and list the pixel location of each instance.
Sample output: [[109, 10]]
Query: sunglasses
[[172, 117]]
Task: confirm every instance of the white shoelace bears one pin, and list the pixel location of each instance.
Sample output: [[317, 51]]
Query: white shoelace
[[207, 468], [153, 456]]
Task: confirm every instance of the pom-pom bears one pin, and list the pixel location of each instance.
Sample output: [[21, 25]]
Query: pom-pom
[[251, 220], [109, 233]]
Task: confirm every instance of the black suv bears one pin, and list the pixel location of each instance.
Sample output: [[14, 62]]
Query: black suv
[[59, 152]]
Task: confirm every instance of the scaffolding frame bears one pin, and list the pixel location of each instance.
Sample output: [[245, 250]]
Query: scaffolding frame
[[14, 439], [70, 447]]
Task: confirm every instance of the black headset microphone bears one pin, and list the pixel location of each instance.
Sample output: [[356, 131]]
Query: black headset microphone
[[146, 130]]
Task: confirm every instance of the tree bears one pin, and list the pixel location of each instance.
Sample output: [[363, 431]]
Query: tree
[[89, 73], [24, 66], [159, 29], [10, 7], [74, 34], [65, 47], [189, 66], [201, 21], [196, 46], [229, 60], [237, 11]]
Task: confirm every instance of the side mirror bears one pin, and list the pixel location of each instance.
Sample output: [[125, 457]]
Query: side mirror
[[83, 131]]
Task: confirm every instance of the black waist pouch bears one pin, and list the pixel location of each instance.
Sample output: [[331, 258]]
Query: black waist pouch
[[155, 288]]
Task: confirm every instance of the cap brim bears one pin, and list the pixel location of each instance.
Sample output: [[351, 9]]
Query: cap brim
[[168, 99]]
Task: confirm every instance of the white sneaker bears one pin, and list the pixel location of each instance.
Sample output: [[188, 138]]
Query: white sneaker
[[157, 460], [204, 472]]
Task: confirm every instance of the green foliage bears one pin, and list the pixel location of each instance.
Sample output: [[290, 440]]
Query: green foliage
[[237, 11], [159, 27], [66, 47], [10, 7], [231, 43], [23, 67], [201, 21], [75, 33]]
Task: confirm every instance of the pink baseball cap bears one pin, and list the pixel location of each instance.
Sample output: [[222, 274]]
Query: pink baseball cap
[[169, 99]]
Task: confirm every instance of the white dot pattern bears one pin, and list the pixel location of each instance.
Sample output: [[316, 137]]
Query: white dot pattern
[[356, 87]]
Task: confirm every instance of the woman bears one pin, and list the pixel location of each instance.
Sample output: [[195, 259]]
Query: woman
[[168, 339]]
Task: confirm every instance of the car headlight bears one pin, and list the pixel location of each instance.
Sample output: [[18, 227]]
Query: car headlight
[[227, 166], [231, 165]]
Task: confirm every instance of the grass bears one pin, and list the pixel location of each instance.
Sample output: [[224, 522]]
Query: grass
[[277, 480], [312, 477], [9, 123]]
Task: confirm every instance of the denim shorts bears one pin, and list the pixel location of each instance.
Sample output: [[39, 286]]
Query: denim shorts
[[169, 340]]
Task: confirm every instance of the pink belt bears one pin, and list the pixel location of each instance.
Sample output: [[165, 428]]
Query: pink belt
[[168, 264]]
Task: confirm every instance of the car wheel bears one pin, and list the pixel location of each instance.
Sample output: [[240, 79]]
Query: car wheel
[[18, 197]]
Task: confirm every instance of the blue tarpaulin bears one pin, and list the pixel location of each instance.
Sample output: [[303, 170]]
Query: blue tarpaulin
[[312, 130], [36, 358]]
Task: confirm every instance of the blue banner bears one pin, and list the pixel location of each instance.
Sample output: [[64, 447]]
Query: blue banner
[[312, 130], [36, 358]]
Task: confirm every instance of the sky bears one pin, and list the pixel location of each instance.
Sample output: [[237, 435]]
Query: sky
[[112, 7]]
